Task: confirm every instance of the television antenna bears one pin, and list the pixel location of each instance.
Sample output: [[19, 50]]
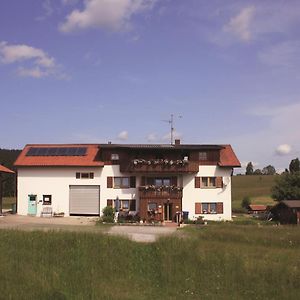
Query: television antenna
[[172, 129]]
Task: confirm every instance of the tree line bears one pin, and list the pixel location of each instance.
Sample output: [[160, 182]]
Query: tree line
[[294, 167], [7, 159], [268, 170]]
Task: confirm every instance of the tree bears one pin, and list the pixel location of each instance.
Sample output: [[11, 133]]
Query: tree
[[269, 170], [246, 202], [287, 187], [249, 169], [294, 165], [257, 172]]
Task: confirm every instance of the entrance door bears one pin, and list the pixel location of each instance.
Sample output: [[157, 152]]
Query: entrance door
[[32, 205], [168, 211]]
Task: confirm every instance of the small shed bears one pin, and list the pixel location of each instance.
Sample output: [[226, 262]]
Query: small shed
[[287, 212], [2, 171], [257, 209]]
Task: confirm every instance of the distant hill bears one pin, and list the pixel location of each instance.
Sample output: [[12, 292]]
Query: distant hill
[[7, 159], [257, 187]]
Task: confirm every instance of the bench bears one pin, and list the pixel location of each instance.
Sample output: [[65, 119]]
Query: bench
[[46, 212]]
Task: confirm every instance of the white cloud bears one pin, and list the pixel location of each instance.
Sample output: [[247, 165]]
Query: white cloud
[[152, 137], [14, 53], [279, 123], [31, 72], [48, 10], [285, 54], [283, 149], [69, 2], [42, 64], [240, 25], [110, 14], [167, 137], [123, 135]]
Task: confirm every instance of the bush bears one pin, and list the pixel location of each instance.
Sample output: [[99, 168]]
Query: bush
[[246, 202], [108, 215]]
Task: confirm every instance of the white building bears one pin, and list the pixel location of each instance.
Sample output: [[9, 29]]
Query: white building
[[156, 181]]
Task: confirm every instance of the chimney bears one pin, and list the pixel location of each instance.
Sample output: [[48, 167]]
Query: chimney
[[177, 142]]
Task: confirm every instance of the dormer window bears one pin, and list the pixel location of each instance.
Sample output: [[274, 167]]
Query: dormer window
[[202, 155], [114, 156]]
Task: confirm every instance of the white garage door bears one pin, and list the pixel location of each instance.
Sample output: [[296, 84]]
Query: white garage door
[[84, 199]]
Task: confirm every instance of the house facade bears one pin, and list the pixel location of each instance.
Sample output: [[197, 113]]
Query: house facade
[[158, 182]]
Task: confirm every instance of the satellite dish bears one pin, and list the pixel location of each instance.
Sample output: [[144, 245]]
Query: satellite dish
[[226, 180]]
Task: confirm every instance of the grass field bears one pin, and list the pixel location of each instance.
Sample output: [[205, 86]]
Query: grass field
[[258, 188], [224, 261]]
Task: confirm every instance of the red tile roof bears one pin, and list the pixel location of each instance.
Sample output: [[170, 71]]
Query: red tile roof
[[258, 207], [5, 170], [228, 157], [88, 160]]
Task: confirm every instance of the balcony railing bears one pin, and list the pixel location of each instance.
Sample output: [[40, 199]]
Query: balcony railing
[[160, 165], [150, 191]]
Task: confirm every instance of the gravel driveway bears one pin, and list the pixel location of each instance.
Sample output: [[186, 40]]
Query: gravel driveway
[[142, 233], [84, 224]]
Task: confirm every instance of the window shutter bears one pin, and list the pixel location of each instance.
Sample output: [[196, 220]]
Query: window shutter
[[174, 180], [219, 207], [197, 182], [132, 182], [132, 205], [198, 209], [219, 182], [109, 202], [109, 182]]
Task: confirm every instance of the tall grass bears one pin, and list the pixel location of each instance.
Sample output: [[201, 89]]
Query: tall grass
[[214, 262]]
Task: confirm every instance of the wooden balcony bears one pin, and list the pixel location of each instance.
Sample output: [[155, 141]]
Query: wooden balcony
[[152, 192], [160, 166]]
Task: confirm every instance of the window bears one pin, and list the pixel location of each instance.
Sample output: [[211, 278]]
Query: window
[[162, 181], [202, 155], [114, 156], [209, 208], [84, 175], [124, 205], [47, 199], [32, 197], [208, 182], [152, 206], [121, 182]]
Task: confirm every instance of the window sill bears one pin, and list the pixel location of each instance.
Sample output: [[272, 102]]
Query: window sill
[[208, 187]]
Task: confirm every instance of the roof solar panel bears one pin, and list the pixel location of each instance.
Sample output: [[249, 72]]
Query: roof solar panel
[[81, 151], [56, 151]]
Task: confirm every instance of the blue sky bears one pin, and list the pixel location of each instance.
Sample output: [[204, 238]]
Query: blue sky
[[112, 70]]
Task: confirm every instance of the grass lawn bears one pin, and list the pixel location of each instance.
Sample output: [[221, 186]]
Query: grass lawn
[[225, 261], [258, 188]]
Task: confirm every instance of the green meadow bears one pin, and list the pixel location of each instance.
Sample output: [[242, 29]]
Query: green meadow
[[257, 187], [223, 261]]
